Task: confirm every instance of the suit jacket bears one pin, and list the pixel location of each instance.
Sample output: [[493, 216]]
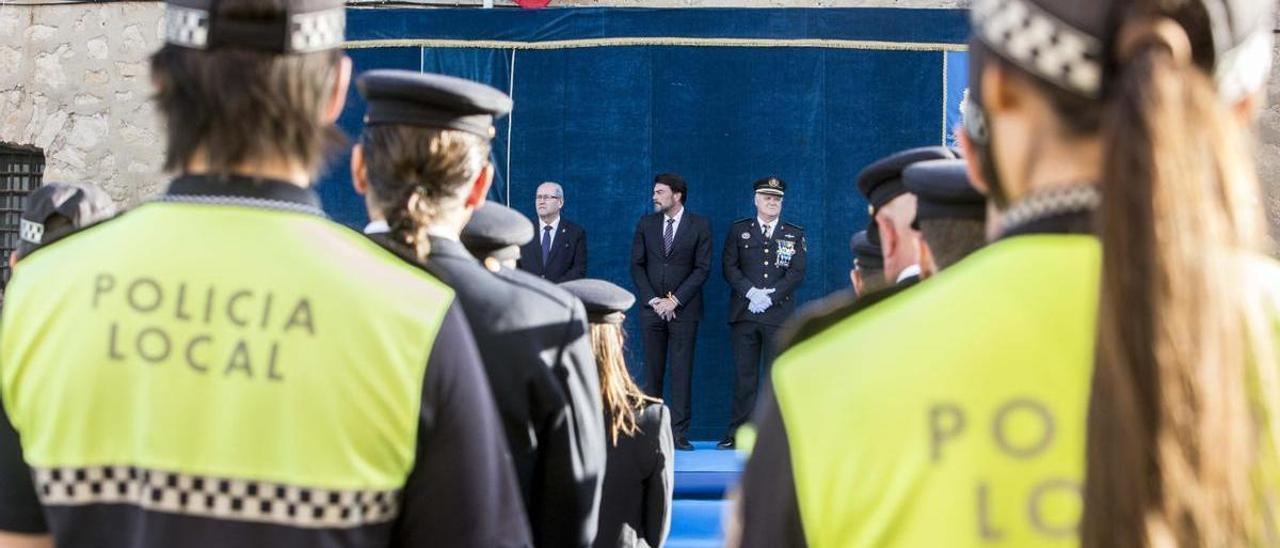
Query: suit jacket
[[568, 257], [639, 482], [751, 261], [681, 273], [536, 350]]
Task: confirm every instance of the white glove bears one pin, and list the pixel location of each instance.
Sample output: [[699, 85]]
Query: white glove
[[764, 303], [755, 307], [753, 294]]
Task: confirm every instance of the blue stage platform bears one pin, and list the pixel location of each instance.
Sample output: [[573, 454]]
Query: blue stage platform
[[703, 477]]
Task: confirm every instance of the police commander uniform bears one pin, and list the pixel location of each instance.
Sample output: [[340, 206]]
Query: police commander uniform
[[765, 262]]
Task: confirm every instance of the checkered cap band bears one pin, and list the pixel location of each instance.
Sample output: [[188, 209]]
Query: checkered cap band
[[186, 27], [30, 232], [316, 31], [1041, 43], [214, 497]]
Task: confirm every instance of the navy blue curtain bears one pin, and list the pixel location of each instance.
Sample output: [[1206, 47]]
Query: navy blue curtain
[[602, 121]]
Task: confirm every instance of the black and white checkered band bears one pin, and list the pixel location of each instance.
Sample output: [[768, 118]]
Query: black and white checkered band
[[316, 31], [308, 32], [186, 27], [214, 497], [30, 232], [244, 201], [1049, 203], [1040, 43]]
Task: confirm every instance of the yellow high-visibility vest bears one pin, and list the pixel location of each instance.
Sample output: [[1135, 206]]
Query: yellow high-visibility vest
[[190, 344], [953, 414]]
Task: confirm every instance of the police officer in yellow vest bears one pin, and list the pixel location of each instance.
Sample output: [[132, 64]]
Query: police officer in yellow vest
[[223, 366], [955, 414]]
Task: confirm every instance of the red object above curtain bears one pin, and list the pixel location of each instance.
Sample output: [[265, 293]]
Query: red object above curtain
[[533, 4]]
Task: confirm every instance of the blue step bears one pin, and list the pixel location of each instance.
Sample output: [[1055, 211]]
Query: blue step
[[706, 473], [696, 524]]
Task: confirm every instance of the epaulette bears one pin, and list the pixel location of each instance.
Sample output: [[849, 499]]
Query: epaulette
[[742, 220], [793, 225]]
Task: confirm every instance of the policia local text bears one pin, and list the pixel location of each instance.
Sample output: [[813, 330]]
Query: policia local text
[[200, 352]]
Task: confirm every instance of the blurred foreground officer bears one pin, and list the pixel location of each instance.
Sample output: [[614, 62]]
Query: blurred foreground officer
[[951, 215], [201, 372], [893, 208], [868, 282], [639, 481], [1137, 367], [56, 210], [494, 235], [763, 262], [559, 252], [423, 161]]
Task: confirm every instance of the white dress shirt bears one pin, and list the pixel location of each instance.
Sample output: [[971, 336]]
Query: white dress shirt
[[542, 227]]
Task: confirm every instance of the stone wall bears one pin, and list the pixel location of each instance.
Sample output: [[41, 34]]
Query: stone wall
[[75, 84]]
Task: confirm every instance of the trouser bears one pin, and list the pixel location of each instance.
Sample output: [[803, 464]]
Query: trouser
[[753, 342], [663, 339]]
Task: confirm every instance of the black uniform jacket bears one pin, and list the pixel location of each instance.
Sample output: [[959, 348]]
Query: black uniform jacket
[[682, 272], [567, 260], [638, 484], [537, 355], [752, 261]]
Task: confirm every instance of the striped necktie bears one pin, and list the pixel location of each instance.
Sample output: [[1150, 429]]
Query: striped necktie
[[667, 236]]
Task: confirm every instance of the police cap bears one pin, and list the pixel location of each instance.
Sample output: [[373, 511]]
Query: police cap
[[605, 302], [299, 26], [431, 100], [58, 209], [496, 231], [881, 181], [943, 191], [866, 254], [771, 185]]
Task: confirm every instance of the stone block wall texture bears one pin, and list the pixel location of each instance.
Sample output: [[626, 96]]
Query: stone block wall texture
[[74, 82]]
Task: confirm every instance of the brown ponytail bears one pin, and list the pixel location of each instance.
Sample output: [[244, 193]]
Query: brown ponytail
[[415, 173], [1173, 435]]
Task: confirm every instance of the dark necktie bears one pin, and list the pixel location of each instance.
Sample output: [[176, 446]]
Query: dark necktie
[[546, 243], [667, 236]]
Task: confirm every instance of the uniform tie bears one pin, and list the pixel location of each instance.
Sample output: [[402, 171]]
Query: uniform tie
[[546, 243], [668, 236]]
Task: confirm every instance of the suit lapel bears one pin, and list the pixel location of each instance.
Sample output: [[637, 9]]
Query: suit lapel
[[557, 241], [682, 231]]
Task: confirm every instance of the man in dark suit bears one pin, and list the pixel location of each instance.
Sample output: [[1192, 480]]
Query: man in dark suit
[[670, 260], [558, 251], [764, 261], [532, 335]]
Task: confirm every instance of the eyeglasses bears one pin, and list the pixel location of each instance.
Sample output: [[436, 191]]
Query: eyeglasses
[[546, 197]]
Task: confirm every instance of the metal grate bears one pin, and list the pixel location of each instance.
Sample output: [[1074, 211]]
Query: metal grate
[[21, 171]]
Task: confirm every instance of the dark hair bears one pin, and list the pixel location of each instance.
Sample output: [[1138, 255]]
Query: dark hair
[[675, 183], [416, 172], [240, 105], [952, 239], [1174, 417]]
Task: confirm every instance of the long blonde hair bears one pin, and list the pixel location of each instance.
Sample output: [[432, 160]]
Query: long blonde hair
[[620, 395]]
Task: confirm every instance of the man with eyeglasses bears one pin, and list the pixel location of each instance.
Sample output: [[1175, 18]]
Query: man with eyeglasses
[[558, 251]]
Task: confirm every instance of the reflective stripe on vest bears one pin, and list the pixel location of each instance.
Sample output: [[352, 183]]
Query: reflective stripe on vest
[[952, 414], [186, 357]]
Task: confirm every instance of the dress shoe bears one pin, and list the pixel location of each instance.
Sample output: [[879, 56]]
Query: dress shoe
[[726, 443], [683, 444]]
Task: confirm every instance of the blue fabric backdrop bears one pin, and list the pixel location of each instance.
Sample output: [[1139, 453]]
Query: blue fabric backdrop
[[603, 119]]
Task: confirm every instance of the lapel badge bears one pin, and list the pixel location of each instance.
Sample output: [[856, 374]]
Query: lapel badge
[[746, 235]]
